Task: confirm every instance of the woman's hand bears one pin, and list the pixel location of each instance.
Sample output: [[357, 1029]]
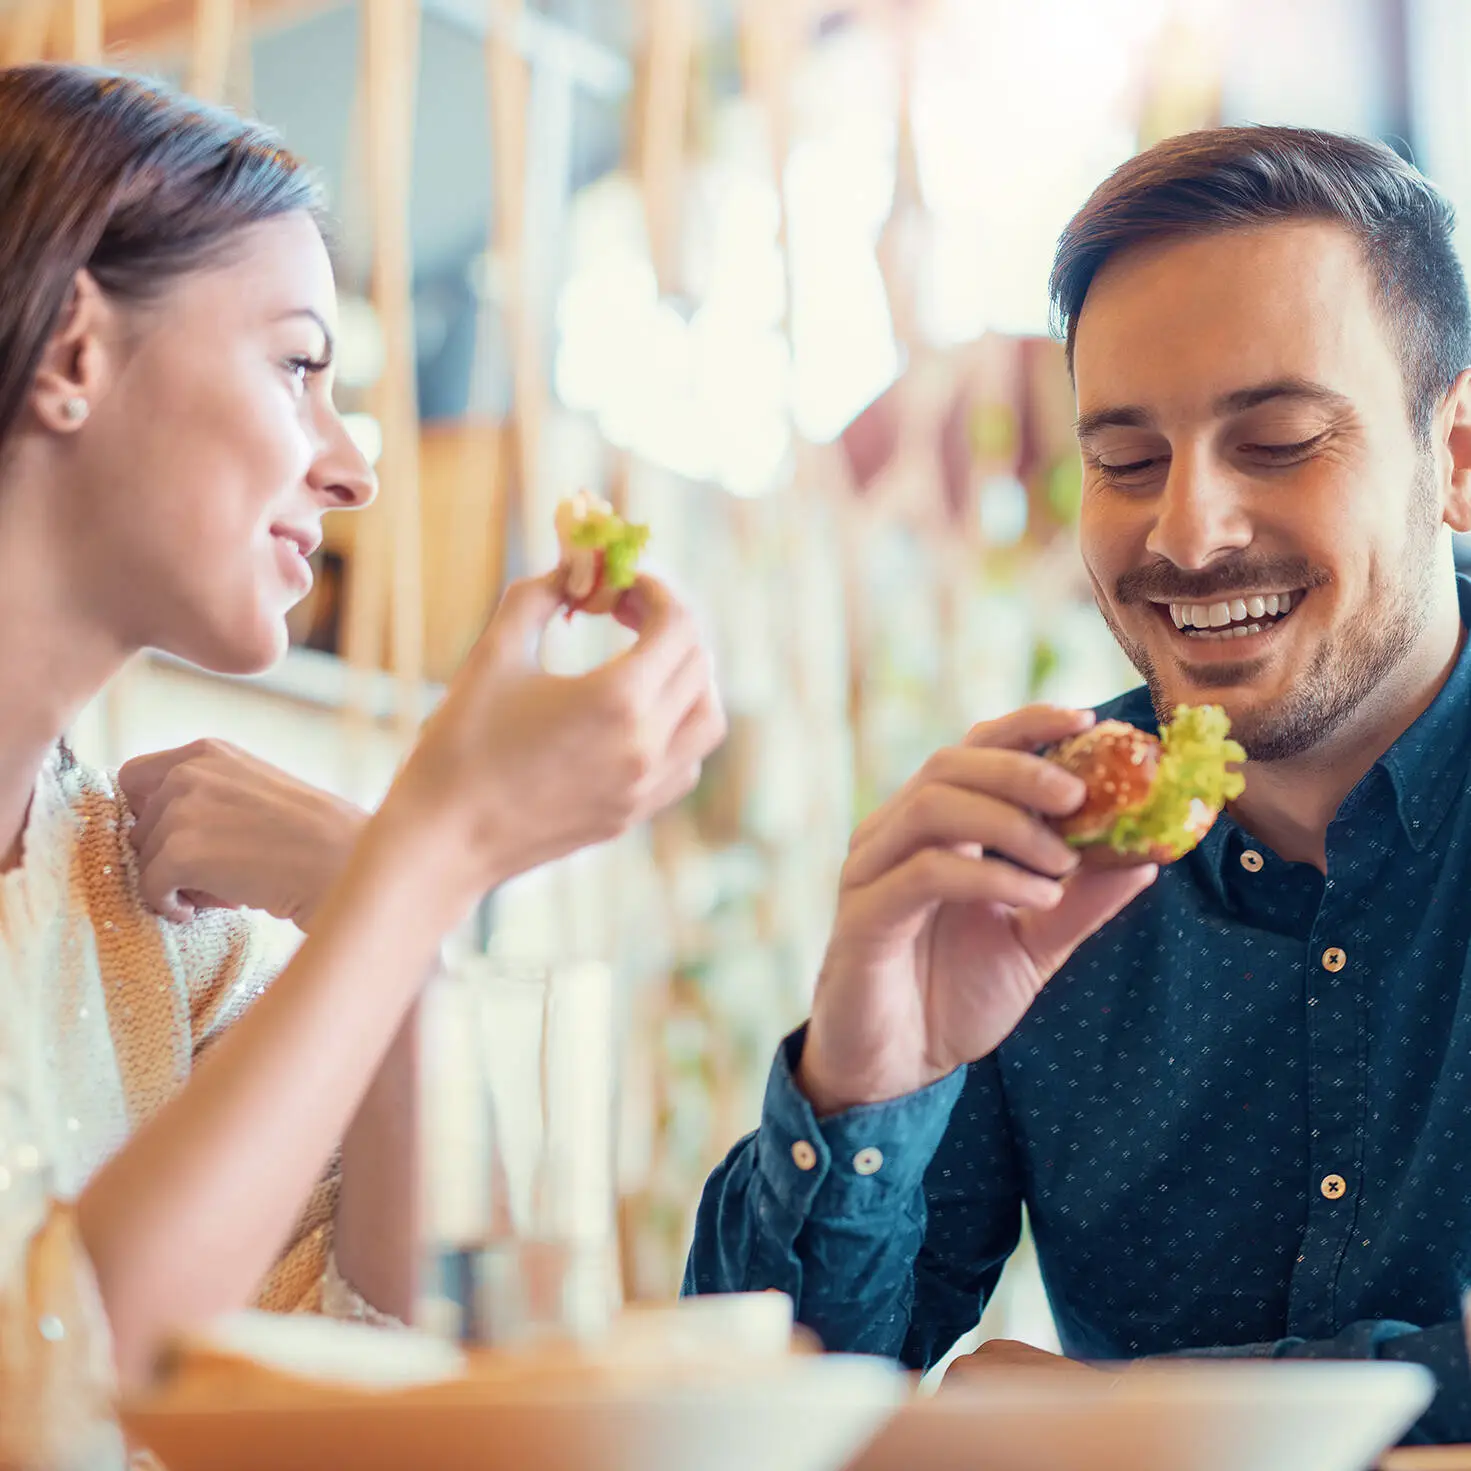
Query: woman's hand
[[219, 828], [518, 767]]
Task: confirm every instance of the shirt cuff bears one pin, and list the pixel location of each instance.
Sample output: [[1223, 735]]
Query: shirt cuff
[[865, 1160]]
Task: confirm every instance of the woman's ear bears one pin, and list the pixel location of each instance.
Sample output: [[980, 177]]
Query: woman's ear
[[75, 367]]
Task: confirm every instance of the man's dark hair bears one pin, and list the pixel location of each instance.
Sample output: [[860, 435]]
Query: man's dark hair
[[1222, 179]]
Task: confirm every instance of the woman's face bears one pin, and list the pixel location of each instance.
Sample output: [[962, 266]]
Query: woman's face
[[195, 488]]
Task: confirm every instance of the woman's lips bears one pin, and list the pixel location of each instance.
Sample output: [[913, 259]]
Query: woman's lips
[[291, 561]]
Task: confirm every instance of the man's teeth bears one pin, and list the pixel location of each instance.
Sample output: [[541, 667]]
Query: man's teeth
[[1235, 619]]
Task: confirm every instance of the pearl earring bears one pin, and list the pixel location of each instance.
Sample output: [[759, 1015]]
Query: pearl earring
[[74, 410]]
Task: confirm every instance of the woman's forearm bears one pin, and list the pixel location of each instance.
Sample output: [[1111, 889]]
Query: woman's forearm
[[183, 1222], [376, 1239]]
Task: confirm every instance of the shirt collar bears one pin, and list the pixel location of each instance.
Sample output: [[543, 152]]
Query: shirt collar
[[1428, 762]]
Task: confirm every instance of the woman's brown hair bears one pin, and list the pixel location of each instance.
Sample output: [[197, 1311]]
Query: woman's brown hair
[[124, 179]]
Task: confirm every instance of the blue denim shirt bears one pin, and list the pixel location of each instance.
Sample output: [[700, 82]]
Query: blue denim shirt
[[1239, 1118]]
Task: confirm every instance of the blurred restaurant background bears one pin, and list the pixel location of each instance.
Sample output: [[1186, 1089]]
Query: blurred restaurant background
[[771, 276]]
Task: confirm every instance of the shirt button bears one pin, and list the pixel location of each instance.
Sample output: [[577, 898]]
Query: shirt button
[[1251, 861], [804, 1156], [868, 1161], [1333, 1186], [1334, 959]]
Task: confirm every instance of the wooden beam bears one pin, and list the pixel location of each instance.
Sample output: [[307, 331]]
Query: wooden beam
[[148, 28], [508, 85], [27, 33], [213, 48], [387, 574], [87, 27], [669, 42]]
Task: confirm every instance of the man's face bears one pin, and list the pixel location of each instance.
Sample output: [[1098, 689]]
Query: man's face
[[1259, 522]]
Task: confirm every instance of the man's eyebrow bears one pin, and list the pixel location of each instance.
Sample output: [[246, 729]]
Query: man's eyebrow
[[1122, 416], [1290, 388], [1238, 401], [313, 315]]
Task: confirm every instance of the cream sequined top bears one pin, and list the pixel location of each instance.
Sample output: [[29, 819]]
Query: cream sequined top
[[103, 1009]]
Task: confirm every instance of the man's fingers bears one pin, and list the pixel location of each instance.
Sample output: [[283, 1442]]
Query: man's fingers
[[1018, 777], [1031, 727], [942, 876], [938, 815], [1091, 898]]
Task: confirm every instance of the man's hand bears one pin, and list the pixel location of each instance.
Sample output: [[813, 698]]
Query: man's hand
[[1006, 1353], [957, 905], [219, 828]]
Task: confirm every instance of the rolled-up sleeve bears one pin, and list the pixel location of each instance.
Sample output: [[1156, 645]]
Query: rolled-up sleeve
[[835, 1213]]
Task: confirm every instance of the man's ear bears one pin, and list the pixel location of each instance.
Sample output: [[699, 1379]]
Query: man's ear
[[75, 367], [1455, 416]]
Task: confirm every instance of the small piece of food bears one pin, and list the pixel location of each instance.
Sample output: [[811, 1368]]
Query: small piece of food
[[1150, 800], [599, 553]]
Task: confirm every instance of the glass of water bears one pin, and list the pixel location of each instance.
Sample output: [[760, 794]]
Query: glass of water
[[520, 1149]]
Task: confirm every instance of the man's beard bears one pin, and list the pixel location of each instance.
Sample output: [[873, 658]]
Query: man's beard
[[1347, 667]]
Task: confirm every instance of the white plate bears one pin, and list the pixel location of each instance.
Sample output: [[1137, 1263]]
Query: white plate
[[1238, 1416], [804, 1414]]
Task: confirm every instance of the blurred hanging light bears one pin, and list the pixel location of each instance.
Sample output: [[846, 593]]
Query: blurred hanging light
[[1003, 163], [367, 434], [703, 394], [360, 351]]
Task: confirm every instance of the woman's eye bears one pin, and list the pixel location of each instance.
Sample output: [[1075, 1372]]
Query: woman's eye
[[301, 369]]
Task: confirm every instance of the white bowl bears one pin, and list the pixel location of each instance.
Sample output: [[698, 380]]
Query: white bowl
[[1196, 1416], [802, 1414]]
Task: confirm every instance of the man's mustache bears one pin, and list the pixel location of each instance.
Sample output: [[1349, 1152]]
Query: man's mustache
[[1163, 582]]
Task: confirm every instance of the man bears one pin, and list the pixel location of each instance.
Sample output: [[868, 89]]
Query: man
[[1234, 1095]]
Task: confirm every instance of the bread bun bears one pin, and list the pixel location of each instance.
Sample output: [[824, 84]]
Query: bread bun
[[1149, 800]]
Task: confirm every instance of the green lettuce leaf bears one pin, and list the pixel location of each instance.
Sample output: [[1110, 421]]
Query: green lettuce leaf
[[1195, 754], [620, 541]]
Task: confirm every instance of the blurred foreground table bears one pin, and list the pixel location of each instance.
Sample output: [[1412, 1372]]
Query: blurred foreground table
[[1428, 1458]]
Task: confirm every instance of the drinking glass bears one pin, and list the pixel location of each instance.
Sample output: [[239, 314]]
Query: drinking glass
[[520, 1127]]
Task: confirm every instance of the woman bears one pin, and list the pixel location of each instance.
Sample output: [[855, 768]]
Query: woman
[[168, 446]]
